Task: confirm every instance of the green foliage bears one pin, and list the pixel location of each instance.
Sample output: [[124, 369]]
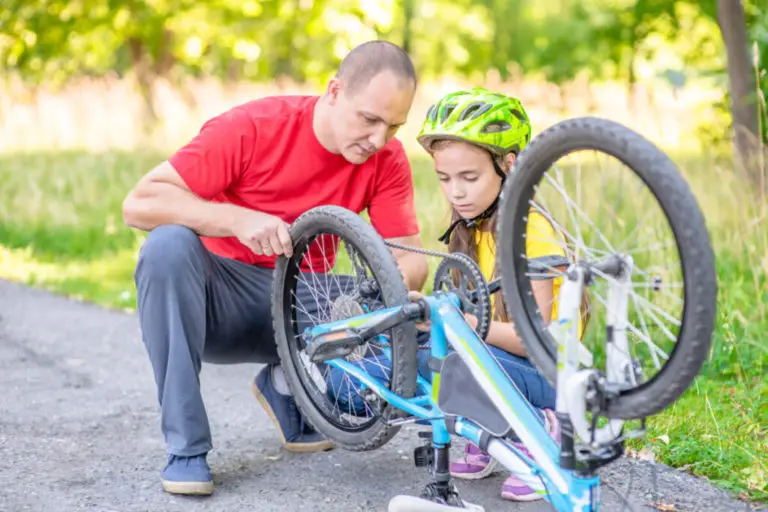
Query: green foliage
[[715, 133], [718, 429], [51, 40], [55, 39]]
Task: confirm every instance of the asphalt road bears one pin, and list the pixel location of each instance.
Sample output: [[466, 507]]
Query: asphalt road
[[79, 430]]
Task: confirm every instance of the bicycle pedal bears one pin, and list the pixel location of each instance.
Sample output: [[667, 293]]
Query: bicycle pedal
[[423, 456], [425, 434], [333, 345]]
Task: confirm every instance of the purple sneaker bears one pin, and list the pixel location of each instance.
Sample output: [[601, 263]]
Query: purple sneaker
[[515, 489], [475, 464]]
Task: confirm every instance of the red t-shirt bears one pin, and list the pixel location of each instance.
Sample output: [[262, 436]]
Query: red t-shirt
[[264, 155]]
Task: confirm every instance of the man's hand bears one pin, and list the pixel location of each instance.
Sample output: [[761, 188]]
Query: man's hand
[[264, 234]]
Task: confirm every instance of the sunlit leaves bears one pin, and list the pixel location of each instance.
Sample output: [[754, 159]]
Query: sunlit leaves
[[50, 40]]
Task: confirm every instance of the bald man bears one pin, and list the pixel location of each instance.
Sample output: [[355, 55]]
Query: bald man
[[218, 213]]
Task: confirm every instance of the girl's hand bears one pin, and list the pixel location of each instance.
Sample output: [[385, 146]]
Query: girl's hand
[[424, 326], [413, 296]]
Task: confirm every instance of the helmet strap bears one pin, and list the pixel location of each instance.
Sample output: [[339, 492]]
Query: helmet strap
[[488, 213]]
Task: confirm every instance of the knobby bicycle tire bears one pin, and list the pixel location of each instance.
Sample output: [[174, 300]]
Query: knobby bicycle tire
[[686, 221], [353, 230]]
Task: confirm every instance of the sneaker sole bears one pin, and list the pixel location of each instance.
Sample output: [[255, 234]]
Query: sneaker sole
[[189, 488], [320, 446], [526, 498], [479, 475]]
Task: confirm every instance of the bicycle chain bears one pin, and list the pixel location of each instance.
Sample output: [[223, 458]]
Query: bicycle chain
[[438, 254], [419, 250]]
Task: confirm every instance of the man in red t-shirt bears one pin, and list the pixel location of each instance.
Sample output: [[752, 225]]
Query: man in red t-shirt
[[218, 212]]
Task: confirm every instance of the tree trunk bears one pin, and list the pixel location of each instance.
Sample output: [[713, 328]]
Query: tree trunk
[[563, 100], [730, 18], [145, 77], [503, 30], [632, 82], [634, 39], [407, 17], [287, 69]]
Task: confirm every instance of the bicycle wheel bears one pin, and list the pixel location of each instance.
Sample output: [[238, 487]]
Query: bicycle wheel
[[341, 268], [671, 345]]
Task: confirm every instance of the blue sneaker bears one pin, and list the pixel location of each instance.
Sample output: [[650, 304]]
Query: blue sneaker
[[296, 434], [187, 475]]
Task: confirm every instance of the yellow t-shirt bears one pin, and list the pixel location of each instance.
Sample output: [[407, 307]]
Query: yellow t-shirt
[[541, 240]]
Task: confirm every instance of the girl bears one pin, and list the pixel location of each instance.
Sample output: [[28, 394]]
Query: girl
[[473, 138]]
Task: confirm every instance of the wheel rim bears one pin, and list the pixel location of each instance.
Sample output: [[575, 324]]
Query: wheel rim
[[531, 200], [337, 401]]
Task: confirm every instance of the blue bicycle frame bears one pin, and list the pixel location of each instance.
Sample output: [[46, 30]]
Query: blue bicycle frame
[[564, 489]]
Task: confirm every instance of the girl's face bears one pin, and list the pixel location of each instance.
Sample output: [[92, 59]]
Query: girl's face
[[467, 177]]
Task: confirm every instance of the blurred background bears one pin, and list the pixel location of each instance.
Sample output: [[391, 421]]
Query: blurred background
[[96, 92]]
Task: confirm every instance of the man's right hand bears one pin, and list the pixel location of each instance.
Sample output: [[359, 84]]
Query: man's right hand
[[264, 234]]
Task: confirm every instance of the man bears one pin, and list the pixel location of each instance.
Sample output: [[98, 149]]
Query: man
[[219, 211]]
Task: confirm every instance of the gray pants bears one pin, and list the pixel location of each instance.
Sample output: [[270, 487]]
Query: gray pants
[[195, 306]]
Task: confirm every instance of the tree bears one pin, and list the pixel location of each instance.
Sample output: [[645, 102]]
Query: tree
[[757, 22], [732, 22]]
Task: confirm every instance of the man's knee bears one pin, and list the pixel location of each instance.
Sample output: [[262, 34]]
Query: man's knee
[[168, 251], [170, 278]]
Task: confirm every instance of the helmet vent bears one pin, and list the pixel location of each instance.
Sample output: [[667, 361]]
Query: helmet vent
[[496, 127], [519, 115], [474, 110], [447, 112], [432, 113]]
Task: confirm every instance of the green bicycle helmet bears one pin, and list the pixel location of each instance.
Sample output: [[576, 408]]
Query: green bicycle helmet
[[489, 119]]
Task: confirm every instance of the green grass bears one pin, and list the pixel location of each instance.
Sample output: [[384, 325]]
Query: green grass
[[61, 229]]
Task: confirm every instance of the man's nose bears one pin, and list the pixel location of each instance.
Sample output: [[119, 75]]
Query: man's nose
[[379, 137]]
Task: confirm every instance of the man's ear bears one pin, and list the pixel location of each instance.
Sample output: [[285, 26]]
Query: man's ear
[[335, 86]]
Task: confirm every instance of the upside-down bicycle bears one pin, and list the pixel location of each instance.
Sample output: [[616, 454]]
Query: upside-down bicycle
[[633, 362]]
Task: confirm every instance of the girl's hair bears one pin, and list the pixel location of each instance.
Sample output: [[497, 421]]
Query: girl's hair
[[463, 239]]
